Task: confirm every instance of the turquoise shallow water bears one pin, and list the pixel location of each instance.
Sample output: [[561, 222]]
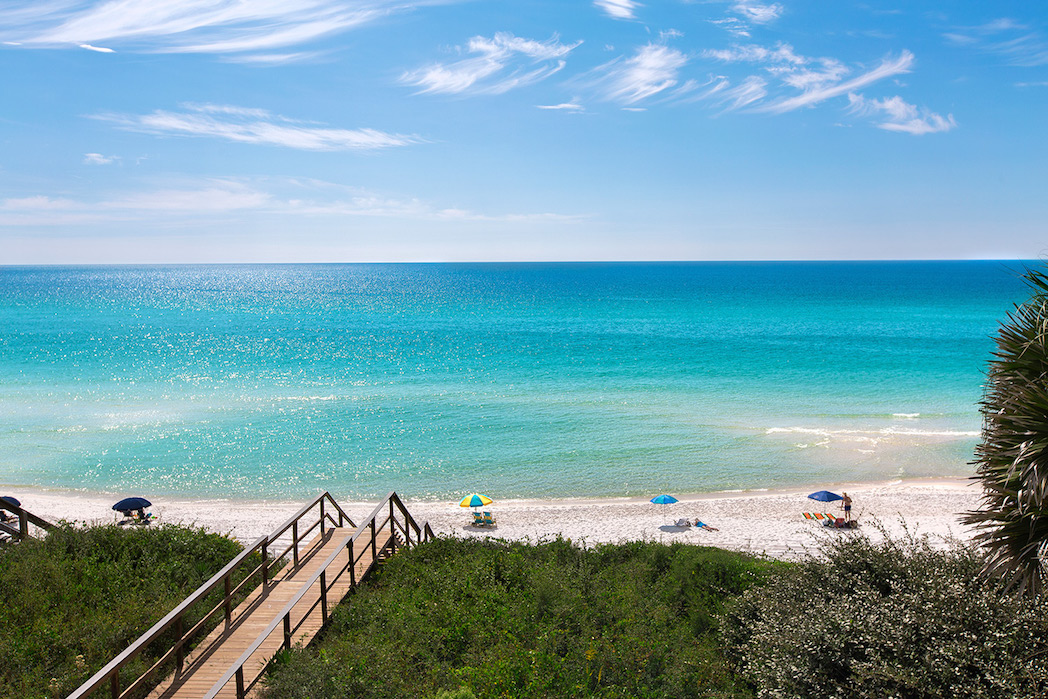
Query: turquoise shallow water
[[518, 380]]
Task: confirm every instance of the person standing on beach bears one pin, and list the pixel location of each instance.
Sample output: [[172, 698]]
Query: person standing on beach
[[846, 502]]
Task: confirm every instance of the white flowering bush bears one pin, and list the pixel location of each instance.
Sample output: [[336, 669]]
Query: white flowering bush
[[894, 619]]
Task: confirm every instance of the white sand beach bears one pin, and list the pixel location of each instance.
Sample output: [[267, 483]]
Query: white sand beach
[[769, 523]]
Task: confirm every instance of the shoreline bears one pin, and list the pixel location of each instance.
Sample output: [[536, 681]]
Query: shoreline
[[762, 522]]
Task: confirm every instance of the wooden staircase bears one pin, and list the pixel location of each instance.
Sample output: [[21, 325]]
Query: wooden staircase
[[284, 610]]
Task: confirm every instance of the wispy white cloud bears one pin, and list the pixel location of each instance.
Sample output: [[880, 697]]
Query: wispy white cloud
[[572, 106], [652, 69], [272, 59], [780, 54], [752, 89], [1016, 42], [500, 64], [255, 126], [901, 116], [733, 25], [618, 9], [36, 203], [219, 195], [820, 92], [99, 159], [745, 14], [99, 49], [758, 12], [194, 26], [223, 197], [802, 81]]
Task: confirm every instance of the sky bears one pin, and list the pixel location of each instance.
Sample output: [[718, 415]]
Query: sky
[[182, 131]]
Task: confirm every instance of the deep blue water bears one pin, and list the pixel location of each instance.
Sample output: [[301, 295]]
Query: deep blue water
[[521, 380]]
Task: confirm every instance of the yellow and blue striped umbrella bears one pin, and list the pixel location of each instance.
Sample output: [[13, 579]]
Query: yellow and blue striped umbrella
[[475, 500]]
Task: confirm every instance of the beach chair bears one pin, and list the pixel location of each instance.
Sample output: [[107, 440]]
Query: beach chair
[[489, 521], [478, 519], [682, 523]]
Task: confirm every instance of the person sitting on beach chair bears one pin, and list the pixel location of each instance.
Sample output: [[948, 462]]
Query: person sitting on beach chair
[[489, 521]]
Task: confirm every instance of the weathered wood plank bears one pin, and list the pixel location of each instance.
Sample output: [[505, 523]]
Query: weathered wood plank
[[207, 663]]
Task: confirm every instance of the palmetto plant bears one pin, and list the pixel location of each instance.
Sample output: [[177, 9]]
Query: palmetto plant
[[1012, 458]]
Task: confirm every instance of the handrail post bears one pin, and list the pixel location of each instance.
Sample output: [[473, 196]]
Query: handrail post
[[180, 654], [265, 563], [323, 596], [322, 517], [114, 684], [287, 631], [23, 525], [229, 594], [374, 549], [352, 566], [294, 541], [240, 683]]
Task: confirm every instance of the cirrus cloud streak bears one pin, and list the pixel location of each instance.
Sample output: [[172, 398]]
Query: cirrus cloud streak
[[499, 64], [190, 26], [257, 126]]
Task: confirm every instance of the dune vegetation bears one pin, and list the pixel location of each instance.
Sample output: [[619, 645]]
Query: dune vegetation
[[907, 618], [457, 618], [73, 600]]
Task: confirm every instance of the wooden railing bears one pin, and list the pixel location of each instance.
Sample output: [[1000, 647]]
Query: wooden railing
[[110, 674], [25, 518], [405, 526]]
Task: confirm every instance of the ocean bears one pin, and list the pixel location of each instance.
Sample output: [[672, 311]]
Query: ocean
[[516, 380]]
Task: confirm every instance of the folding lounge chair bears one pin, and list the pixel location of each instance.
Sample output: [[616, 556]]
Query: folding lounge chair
[[489, 521], [478, 519]]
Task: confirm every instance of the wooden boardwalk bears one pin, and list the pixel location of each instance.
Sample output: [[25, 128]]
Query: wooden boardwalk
[[220, 650]]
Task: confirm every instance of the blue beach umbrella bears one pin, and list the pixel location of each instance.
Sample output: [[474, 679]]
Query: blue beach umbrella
[[664, 499], [11, 500], [825, 496], [128, 504]]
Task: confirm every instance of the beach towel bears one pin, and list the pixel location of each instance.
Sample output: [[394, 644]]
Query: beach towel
[[808, 515]]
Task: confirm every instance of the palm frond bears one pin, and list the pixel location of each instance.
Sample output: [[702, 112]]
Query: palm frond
[[1011, 460]]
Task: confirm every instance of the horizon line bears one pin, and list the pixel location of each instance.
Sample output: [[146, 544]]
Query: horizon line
[[8, 265]]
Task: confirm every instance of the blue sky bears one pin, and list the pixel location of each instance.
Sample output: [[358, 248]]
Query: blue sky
[[390, 130]]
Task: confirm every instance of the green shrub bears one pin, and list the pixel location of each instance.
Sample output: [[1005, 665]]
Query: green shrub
[[492, 619], [71, 602], [894, 619]]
